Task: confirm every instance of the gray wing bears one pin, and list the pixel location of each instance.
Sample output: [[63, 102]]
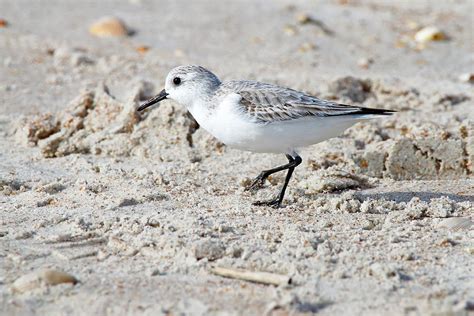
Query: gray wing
[[267, 103]]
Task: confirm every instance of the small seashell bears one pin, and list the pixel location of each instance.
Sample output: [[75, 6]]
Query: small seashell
[[45, 277], [142, 49], [467, 78], [428, 34], [109, 26], [3, 23], [364, 62], [456, 223]]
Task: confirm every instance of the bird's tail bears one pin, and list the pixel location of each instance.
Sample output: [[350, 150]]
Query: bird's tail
[[370, 111], [363, 113]]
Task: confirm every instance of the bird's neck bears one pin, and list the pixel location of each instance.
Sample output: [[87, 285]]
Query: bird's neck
[[202, 102], [200, 111]]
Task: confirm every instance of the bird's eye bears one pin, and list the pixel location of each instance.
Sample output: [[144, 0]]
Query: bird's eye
[[177, 80]]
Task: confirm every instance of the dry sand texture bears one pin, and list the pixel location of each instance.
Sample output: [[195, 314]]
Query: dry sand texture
[[107, 211]]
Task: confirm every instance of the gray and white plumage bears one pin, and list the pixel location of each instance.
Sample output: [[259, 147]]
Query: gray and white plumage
[[258, 116], [267, 103]]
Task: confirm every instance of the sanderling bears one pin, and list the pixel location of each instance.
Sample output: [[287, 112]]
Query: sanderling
[[259, 117]]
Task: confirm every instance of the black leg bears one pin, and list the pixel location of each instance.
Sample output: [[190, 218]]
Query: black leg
[[259, 181], [294, 162]]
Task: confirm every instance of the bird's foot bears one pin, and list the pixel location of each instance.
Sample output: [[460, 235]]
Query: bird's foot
[[257, 183], [275, 203]]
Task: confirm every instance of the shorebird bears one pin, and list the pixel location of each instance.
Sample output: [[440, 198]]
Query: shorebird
[[259, 117]]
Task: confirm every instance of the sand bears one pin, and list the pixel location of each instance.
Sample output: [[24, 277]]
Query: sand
[[108, 211]]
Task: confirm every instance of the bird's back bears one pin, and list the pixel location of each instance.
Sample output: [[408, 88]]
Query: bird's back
[[267, 103]]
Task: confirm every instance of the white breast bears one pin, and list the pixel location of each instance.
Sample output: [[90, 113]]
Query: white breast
[[226, 123]]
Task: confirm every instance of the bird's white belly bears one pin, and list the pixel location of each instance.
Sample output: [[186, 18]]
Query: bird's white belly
[[228, 127], [235, 130]]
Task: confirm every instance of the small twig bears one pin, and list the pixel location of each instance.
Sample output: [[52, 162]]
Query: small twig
[[258, 277]]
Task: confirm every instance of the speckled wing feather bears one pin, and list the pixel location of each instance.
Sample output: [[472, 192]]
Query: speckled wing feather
[[266, 103]]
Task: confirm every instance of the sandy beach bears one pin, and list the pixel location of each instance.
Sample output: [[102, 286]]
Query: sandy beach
[[107, 211]]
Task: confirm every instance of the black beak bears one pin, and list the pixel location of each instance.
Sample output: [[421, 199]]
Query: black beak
[[161, 96]]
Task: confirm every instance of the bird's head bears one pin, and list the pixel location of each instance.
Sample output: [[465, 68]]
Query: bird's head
[[185, 85]]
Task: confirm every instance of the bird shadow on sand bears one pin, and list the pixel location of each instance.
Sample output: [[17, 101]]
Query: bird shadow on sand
[[407, 196]]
